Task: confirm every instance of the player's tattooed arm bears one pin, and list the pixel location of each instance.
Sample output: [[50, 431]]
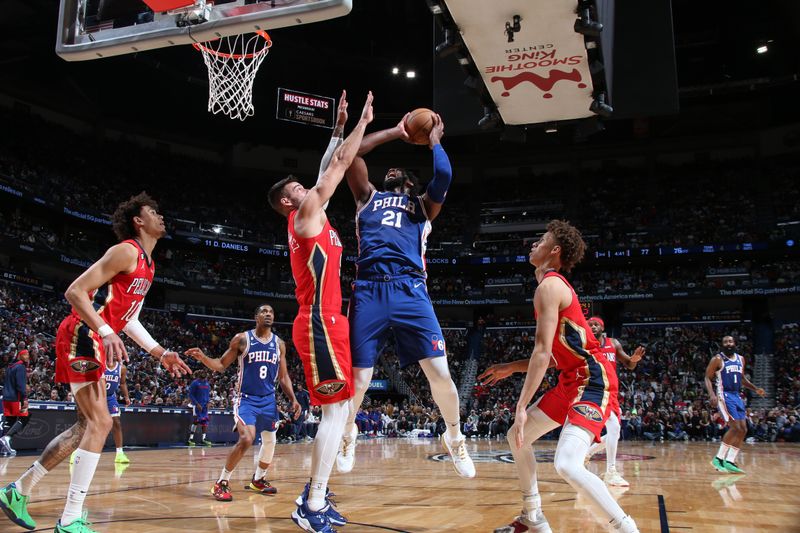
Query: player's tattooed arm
[[236, 347], [64, 444]]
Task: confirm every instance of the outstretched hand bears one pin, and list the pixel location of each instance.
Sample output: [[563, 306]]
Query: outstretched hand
[[195, 353], [366, 113], [520, 417], [495, 373], [175, 365], [638, 353], [402, 133], [341, 112], [437, 131]]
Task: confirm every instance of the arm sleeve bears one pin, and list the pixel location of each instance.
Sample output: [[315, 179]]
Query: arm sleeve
[[442, 174], [335, 143], [136, 331]]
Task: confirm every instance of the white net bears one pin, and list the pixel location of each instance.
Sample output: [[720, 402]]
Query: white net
[[232, 66]]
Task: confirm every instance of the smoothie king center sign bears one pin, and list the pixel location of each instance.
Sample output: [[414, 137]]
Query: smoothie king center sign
[[542, 76]]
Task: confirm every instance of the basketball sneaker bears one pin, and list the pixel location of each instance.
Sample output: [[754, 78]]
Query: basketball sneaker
[[731, 467], [522, 524], [207, 443], [613, 478], [15, 506], [595, 448], [191, 443], [79, 525], [626, 525], [462, 462], [316, 522], [121, 458], [347, 452], [7, 446], [262, 486], [334, 516], [719, 464], [221, 491]]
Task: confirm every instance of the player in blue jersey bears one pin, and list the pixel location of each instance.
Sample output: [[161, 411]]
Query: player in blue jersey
[[261, 356], [199, 391], [116, 380], [727, 368], [390, 293]]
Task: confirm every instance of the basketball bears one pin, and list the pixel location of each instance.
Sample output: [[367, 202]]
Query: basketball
[[419, 124]]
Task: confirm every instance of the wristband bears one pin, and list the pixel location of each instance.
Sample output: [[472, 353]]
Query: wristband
[[105, 330]]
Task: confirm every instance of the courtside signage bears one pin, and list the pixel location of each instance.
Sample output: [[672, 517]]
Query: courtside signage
[[304, 108]]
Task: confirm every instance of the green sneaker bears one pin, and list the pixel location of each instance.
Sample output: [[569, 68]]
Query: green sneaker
[[121, 458], [719, 464], [191, 443], [731, 467], [79, 525], [207, 443], [15, 506]]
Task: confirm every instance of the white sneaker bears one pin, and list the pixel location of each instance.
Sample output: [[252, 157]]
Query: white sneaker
[[595, 448], [626, 525], [346, 458], [462, 462], [613, 478], [522, 524]]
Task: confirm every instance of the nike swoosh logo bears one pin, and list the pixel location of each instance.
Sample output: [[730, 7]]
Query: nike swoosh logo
[[416, 285]]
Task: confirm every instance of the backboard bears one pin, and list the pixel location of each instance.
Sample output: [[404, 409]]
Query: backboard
[[93, 29]]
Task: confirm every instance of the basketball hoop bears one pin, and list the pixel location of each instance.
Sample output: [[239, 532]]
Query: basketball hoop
[[232, 66]]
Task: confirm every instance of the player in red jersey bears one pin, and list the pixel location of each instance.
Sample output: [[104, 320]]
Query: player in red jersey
[[613, 351], [320, 333], [106, 299], [580, 402]]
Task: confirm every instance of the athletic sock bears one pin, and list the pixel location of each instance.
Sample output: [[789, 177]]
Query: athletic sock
[[732, 453], [82, 474], [30, 478], [225, 475], [723, 451]]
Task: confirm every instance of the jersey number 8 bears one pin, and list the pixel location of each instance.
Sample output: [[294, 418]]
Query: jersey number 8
[[262, 372]]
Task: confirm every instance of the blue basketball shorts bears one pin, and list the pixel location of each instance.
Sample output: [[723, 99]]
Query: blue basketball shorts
[[731, 406], [401, 306], [201, 415], [113, 405], [258, 411]]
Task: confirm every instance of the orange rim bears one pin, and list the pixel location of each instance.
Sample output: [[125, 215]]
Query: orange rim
[[263, 34]]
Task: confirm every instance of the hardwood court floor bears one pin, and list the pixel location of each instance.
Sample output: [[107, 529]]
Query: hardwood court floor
[[396, 486]]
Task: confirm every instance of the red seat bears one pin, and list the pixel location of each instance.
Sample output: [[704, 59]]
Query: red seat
[[167, 5]]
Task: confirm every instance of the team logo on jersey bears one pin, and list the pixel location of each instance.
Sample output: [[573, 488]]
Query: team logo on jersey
[[84, 366], [589, 412], [437, 344], [330, 388]]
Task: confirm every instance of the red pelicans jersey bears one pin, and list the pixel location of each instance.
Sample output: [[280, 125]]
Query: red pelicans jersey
[[316, 265], [119, 300], [609, 351]]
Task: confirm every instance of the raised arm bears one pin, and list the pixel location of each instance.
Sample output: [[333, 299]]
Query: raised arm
[[628, 361], [375, 139], [442, 172], [286, 384], [336, 138], [310, 214], [235, 348], [711, 371], [546, 301]]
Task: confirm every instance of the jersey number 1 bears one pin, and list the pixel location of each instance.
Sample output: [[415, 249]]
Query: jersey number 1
[[392, 218]]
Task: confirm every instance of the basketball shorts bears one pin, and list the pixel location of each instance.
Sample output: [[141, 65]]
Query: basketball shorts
[[200, 415], [113, 405], [401, 306], [80, 356], [562, 403], [731, 406], [613, 406], [13, 409], [322, 339], [258, 411]]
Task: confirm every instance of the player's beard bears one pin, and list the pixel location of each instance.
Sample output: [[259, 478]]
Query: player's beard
[[393, 182]]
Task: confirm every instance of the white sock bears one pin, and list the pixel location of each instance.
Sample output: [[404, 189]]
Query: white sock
[[261, 473], [326, 446], [225, 475], [537, 425], [624, 525], [119, 450], [82, 474], [723, 451], [732, 453], [204, 436], [531, 502], [30, 478], [570, 452], [444, 393], [611, 440]]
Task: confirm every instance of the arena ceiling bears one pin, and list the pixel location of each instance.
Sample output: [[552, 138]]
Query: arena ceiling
[[165, 90]]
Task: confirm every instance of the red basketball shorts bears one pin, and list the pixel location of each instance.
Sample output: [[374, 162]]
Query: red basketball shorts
[[13, 409], [588, 409], [80, 356], [322, 339]]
